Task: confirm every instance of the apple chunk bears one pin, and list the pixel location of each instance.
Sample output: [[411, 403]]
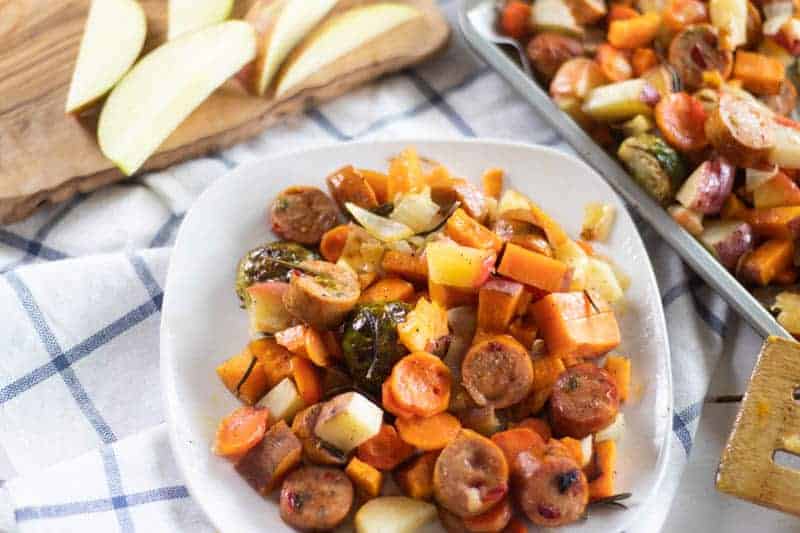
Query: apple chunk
[[458, 266], [265, 307], [166, 86], [348, 420], [112, 40], [190, 15], [337, 37], [281, 25]]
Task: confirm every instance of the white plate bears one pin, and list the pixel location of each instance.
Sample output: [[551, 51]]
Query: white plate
[[202, 324]]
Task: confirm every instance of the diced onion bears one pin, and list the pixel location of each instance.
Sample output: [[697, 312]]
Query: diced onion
[[612, 432], [587, 445], [381, 228], [417, 211]]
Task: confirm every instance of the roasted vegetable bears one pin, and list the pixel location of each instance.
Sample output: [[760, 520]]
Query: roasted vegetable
[[270, 262], [654, 164], [370, 342]]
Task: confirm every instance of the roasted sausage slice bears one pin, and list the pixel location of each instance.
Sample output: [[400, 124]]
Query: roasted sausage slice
[[470, 475], [551, 490], [740, 130], [348, 185], [303, 214], [321, 293], [785, 101], [315, 498], [315, 449], [497, 372], [264, 466], [472, 200], [585, 400], [549, 50], [695, 50]]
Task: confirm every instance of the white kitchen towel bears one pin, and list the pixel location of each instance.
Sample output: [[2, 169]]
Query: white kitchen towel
[[82, 441]]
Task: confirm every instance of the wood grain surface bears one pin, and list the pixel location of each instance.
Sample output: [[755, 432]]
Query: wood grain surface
[[768, 421], [47, 157]]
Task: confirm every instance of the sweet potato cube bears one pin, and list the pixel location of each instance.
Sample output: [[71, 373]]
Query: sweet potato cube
[[379, 183], [620, 368], [780, 191], [759, 73], [572, 324], [775, 222], [275, 359], [416, 477], [410, 267], [534, 269], [497, 302], [243, 375], [388, 290], [467, 231], [366, 478], [767, 261], [602, 474], [546, 371], [524, 330], [449, 297], [492, 181]]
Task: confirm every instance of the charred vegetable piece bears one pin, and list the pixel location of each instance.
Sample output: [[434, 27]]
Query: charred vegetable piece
[[370, 342], [269, 262], [654, 164]]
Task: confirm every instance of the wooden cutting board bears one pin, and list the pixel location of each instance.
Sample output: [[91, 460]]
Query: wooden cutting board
[[46, 157]]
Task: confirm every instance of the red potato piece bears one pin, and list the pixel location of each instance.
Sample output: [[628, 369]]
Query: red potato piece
[[739, 129], [266, 464], [707, 187], [471, 198], [585, 400], [316, 498], [695, 50], [497, 372], [547, 51], [303, 214], [552, 490], [470, 476], [321, 293]]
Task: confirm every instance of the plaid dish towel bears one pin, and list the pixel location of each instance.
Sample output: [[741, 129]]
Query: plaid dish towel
[[83, 446]]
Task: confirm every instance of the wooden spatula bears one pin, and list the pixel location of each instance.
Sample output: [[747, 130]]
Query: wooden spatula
[[768, 423]]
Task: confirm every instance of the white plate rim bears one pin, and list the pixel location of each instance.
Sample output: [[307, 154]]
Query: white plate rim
[[424, 145]]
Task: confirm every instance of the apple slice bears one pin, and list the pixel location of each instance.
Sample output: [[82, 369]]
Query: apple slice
[[113, 37], [166, 86], [281, 25], [189, 15], [337, 37]]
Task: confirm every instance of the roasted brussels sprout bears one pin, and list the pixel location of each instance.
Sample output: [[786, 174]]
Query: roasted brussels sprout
[[370, 344], [270, 262], [654, 164]]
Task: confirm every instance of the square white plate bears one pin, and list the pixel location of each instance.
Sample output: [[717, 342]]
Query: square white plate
[[202, 324]]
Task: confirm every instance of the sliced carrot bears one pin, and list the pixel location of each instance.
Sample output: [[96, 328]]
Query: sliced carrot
[[620, 368], [515, 19], [306, 377], [492, 521], [621, 12], [333, 242], [411, 267], [449, 297], [415, 478], [573, 324], [240, 431], [388, 290], [546, 371], [682, 13], [420, 384], [614, 62], [366, 478], [634, 32], [243, 375], [306, 342], [601, 484], [467, 231], [539, 425], [379, 183], [492, 181], [390, 404], [681, 119], [516, 441], [497, 302], [385, 450], [428, 434], [534, 269], [759, 73], [643, 59], [762, 265]]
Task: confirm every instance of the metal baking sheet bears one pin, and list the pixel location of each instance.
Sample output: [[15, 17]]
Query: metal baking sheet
[[472, 14]]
